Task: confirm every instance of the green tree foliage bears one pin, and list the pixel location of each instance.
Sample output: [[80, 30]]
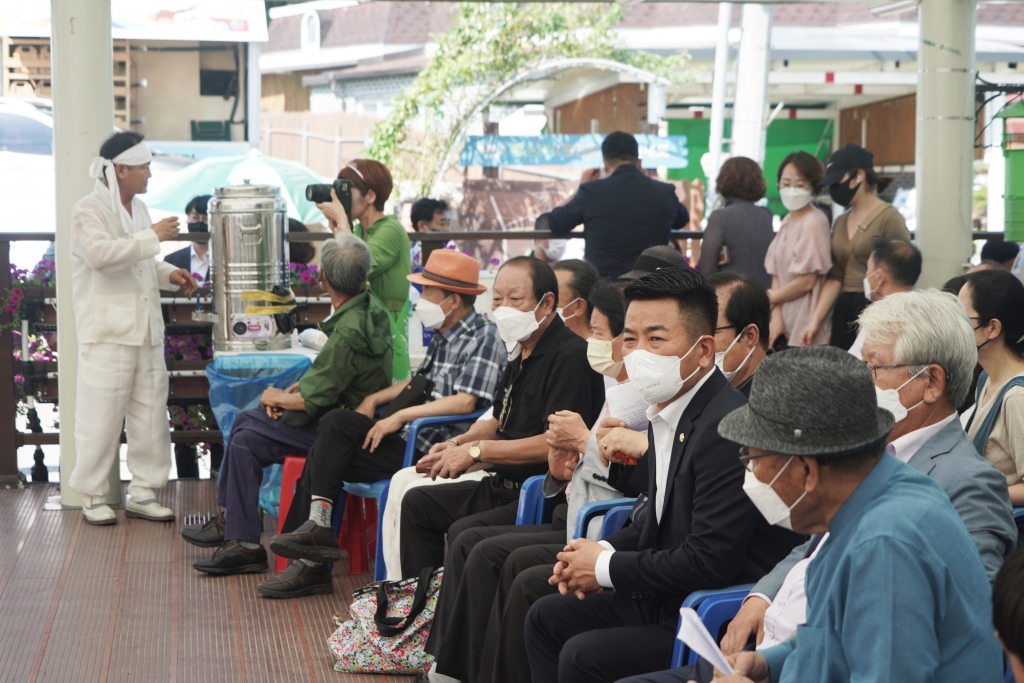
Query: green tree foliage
[[489, 44]]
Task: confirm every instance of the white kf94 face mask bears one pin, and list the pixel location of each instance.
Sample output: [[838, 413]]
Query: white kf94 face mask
[[720, 359], [599, 354], [794, 198], [515, 325], [656, 378], [890, 399], [431, 315], [767, 501]]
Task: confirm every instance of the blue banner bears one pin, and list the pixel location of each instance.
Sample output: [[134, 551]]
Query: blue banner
[[566, 150]]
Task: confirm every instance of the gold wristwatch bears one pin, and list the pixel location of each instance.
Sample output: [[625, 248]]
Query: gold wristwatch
[[474, 452]]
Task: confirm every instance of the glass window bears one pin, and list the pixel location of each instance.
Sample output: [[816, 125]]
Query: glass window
[[25, 135]]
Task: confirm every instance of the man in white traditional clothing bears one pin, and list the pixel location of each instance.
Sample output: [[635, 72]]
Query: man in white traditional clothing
[[122, 378]]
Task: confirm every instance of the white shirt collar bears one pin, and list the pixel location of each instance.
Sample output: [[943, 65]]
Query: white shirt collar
[[907, 446], [674, 410]]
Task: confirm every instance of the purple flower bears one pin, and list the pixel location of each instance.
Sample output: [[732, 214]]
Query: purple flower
[[11, 308], [495, 261]]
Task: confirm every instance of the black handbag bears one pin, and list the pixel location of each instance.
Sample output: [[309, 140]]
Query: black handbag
[[416, 392]]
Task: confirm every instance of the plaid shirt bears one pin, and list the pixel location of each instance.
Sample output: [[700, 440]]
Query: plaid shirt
[[468, 358]]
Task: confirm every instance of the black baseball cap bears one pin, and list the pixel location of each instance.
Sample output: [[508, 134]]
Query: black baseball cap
[[844, 159], [652, 259]]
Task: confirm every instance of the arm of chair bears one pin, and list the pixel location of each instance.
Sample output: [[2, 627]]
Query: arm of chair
[[714, 607], [419, 423], [534, 508], [595, 509], [615, 519]]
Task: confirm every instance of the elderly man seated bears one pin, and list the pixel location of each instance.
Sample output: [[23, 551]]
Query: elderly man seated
[[897, 591], [354, 363], [931, 328]]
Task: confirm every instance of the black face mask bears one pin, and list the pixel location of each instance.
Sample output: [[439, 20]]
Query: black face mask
[[198, 226], [842, 193]]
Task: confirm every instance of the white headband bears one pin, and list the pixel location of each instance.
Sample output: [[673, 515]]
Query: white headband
[[133, 156]]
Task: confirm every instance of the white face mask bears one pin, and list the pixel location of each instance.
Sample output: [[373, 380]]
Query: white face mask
[[562, 315], [767, 501], [720, 359], [867, 286], [794, 198], [599, 353], [515, 325], [656, 378], [431, 315], [890, 399]]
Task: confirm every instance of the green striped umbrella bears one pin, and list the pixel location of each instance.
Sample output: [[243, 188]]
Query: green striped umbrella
[[290, 177]]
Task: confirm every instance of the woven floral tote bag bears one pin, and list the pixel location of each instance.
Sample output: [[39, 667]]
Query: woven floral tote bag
[[389, 626]]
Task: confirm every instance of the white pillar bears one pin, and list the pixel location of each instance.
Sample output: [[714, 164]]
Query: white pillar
[[996, 166], [945, 137], [82, 67], [253, 93], [752, 83], [718, 97]]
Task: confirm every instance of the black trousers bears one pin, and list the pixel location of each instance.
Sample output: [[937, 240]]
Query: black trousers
[[848, 308], [430, 513], [605, 637], [472, 568], [338, 456], [523, 581]]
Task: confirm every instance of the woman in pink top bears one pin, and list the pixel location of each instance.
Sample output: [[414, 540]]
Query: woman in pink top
[[801, 254]]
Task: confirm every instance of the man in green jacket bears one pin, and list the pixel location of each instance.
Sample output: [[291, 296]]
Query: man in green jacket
[[354, 363]]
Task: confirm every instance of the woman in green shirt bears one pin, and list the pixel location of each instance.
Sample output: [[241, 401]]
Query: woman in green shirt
[[388, 243]]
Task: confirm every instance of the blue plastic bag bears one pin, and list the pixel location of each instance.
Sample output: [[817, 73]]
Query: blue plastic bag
[[236, 384]]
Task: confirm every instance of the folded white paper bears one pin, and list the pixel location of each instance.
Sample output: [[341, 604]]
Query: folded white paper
[[693, 633], [625, 404], [313, 338]]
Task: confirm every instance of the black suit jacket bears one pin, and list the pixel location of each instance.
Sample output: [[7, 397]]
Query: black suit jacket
[[710, 534], [181, 258], [622, 214]]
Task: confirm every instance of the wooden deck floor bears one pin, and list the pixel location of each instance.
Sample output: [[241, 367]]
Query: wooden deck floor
[[122, 603]]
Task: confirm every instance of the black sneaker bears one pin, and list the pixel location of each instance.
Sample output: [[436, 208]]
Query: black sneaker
[[233, 558], [209, 535], [297, 580], [309, 542]]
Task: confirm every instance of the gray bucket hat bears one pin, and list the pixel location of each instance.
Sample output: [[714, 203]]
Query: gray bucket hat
[[816, 400]]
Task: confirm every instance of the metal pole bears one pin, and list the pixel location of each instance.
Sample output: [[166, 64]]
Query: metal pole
[[996, 166], [82, 59], [253, 94], [718, 97], [9, 474], [748, 112], [945, 137]]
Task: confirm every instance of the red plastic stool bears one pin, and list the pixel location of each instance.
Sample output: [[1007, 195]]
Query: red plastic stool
[[358, 535]]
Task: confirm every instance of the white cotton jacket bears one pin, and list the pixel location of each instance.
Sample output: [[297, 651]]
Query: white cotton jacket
[[115, 276]]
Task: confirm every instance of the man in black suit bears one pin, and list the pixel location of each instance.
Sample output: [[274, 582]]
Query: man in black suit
[[622, 211], [196, 256], [701, 531]]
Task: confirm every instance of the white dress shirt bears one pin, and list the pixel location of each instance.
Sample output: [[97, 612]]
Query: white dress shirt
[[907, 446], [200, 265], [664, 423], [115, 276]]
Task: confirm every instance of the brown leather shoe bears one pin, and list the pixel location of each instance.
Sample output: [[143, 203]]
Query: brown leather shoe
[[234, 558], [298, 580], [308, 542], [209, 535]]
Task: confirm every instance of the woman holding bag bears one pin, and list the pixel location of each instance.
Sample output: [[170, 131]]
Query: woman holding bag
[[388, 243], [852, 182]]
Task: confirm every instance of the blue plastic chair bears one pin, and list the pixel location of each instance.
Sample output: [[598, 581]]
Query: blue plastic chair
[[590, 511], [379, 489], [534, 508], [714, 607], [615, 519]]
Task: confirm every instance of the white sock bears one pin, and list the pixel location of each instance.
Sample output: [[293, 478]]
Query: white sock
[[310, 563], [249, 546], [320, 512]]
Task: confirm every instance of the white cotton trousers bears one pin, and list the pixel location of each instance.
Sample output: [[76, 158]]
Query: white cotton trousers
[[121, 385], [401, 483]]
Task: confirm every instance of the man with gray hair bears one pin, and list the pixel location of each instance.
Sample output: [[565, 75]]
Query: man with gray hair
[[354, 363], [920, 350]]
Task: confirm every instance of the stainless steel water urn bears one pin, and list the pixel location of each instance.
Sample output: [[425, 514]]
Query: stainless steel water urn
[[249, 253]]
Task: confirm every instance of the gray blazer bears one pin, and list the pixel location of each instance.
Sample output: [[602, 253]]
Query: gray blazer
[[976, 489], [747, 231]]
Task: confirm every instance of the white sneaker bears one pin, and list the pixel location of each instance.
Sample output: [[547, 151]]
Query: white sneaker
[[97, 512], [148, 509]]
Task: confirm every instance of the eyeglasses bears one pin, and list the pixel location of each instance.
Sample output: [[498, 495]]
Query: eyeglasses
[[724, 327], [747, 458], [888, 366]]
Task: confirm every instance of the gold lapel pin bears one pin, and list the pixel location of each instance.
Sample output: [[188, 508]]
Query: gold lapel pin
[[681, 437]]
